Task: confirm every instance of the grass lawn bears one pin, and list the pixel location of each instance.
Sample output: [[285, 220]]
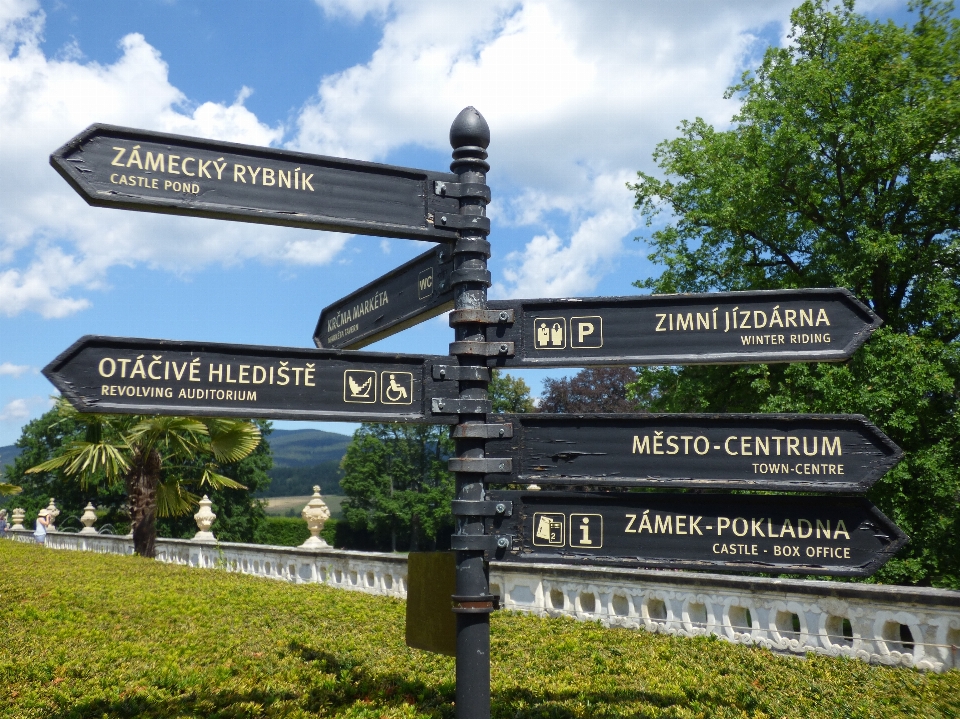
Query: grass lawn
[[84, 635]]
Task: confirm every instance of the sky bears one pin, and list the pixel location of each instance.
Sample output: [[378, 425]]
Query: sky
[[576, 94]]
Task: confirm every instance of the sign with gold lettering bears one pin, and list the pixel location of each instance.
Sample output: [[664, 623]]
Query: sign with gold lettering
[[798, 452], [410, 294], [133, 169], [839, 536], [142, 376], [818, 325]]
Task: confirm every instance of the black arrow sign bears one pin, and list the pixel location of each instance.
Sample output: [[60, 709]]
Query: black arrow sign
[[798, 452], [841, 536], [716, 328], [133, 169], [410, 294], [143, 376]]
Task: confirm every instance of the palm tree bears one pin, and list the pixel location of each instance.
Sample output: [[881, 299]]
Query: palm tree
[[157, 457], [9, 489]]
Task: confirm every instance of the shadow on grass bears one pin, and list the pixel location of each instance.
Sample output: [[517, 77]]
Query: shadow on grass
[[346, 682]]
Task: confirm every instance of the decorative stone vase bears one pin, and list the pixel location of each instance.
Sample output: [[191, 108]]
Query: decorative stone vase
[[204, 519], [316, 514], [88, 517], [18, 515], [52, 514]]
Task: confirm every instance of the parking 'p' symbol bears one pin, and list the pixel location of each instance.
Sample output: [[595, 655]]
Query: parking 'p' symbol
[[587, 332]]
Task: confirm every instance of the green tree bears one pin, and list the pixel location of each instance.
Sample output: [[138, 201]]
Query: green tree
[[509, 393], [40, 440], [239, 515], [840, 169], [595, 389], [138, 448], [396, 478]]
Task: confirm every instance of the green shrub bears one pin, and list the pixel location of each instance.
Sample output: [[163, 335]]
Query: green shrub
[[88, 635], [282, 531]]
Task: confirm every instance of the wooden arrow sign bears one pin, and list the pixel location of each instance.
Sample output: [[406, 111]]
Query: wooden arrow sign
[[840, 536], [142, 376], [716, 328], [798, 452], [132, 169], [410, 294]]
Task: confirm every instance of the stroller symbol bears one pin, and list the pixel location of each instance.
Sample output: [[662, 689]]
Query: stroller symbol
[[396, 387]]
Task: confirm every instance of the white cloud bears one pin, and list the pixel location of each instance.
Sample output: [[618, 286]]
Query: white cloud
[[576, 94], [53, 247], [15, 370], [18, 410]]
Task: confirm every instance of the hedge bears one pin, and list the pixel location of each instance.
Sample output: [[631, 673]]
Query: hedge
[[87, 635]]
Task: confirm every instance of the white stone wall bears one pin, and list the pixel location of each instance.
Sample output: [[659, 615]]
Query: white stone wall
[[914, 627]]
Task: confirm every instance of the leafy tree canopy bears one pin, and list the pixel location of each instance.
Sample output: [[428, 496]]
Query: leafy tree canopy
[[595, 389], [840, 169], [509, 393], [399, 489]]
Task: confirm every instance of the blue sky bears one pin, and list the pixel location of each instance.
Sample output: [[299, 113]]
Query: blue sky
[[576, 95]]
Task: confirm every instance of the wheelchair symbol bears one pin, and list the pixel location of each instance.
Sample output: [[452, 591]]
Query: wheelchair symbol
[[396, 387]]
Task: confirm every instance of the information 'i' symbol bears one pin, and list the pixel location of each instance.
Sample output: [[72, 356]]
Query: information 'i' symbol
[[585, 531]]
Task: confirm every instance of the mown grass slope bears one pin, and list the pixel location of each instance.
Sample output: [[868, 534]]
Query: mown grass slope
[[83, 635]]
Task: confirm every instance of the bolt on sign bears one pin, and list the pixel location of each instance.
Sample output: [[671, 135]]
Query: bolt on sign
[[406, 296], [138, 376], [717, 328], [132, 169], [839, 536], [791, 452]]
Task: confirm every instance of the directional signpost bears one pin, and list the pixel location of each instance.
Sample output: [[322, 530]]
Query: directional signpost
[[154, 172], [833, 534], [802, 535], [798, 452], [717, 328], [136, 376], [410, 294]]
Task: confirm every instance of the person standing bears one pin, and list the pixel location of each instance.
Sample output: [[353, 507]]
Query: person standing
[[3, 523], [40, 528]]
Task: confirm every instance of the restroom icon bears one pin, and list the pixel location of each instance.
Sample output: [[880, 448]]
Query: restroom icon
[[550, 333]]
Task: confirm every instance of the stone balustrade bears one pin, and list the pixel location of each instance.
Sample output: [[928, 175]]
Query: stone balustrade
[[914, 627]]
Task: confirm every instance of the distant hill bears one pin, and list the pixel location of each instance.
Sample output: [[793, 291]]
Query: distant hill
[[303, 458], [7, 455]]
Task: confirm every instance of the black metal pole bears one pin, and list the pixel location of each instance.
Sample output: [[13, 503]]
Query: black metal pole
[[470, 136]]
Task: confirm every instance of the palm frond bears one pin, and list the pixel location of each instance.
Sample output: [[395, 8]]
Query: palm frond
[[9, 489], [85, 459], [173, 500], [231, 440], [218, 481]]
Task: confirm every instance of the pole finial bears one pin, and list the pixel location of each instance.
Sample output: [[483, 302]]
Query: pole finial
[[469, 128], [469, 137]]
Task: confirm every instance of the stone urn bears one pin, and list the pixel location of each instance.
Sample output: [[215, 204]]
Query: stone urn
[[52, 514], [88, 517], [316, 514], [18, 514], [204, 519]]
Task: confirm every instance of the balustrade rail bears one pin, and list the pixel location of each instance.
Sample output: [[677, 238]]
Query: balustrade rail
[[881, 624]]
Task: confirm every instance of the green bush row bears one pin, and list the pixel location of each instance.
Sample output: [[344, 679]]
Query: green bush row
[[87, 635]]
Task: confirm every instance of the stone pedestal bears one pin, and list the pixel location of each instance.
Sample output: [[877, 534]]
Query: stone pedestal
[[204, 519], [316, 514], [17, 517], [88, 517]]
